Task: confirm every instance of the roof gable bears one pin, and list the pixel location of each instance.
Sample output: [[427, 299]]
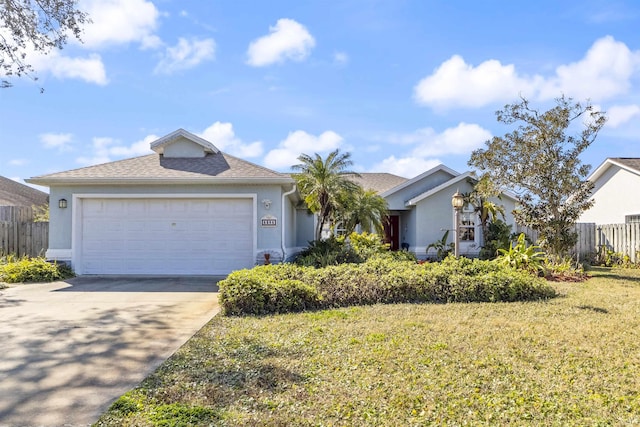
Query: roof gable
[[631, 164], [418, 178], [183, 144]]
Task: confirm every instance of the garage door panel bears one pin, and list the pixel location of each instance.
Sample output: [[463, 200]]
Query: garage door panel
[[166, 236]]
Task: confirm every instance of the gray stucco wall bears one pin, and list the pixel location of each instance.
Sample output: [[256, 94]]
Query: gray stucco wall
[[267, 238], [397, 201]]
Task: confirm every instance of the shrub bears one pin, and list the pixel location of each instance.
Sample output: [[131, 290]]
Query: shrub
[[367, 245], [322, 253], [281, 288], [498, 237], [266, 289], [21, 270]]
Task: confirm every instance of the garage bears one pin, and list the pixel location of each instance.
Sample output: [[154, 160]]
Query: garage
[[165, 236]]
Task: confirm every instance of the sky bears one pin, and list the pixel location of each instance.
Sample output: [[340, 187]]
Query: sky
[[402, 85]]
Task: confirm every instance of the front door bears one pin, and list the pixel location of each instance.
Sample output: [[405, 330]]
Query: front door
[[392, 232]]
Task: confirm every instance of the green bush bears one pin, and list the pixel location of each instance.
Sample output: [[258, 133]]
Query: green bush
[[266, 289], [22, 270], [285, 287], [322, 253]]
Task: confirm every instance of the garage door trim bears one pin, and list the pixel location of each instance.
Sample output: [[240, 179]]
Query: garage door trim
[[76, 221]]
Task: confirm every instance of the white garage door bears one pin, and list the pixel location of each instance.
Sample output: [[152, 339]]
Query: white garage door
[[166, 236]]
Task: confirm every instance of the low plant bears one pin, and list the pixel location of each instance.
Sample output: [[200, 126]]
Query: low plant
[[322, 253], [522, 256], [25, 269], [442, 248]]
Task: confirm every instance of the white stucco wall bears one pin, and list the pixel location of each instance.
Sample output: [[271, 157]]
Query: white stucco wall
[[615, 195]]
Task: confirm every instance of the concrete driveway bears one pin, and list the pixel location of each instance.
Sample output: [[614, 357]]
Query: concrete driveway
[[69, 349]]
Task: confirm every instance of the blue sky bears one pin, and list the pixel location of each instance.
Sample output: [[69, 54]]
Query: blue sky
[[402, 85]]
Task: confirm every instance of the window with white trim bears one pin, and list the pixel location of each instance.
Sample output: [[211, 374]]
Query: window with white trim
[[468, 223]]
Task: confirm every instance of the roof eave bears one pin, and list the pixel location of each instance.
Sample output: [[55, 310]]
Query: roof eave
[[160, 181]]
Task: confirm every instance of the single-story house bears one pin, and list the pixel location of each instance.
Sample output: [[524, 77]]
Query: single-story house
[[192, 209], [615, 182]]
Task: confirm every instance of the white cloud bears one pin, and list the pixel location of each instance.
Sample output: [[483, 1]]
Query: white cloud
[[620, 114], [106, 149], [461, 139], [119, 22], [223, 137], [286, 40], [425, 145], [185, 55], [299, 142], [340, 58], [604, 72], [61, 141], [18, 162], [407, 167], [90, 69], [456, 83]]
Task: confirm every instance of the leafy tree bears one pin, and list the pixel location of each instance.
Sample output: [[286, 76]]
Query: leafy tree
[[321, 183], [364, 207], [34, 25], [540, 162]]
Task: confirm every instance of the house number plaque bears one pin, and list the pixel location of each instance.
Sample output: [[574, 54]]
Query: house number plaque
[[268, 221]]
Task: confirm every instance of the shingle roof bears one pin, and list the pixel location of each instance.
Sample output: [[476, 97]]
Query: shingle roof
[[379, 182], [154, 167], [630, 162], [15, 194]]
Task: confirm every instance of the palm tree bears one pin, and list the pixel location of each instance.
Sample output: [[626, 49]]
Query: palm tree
[[322, 181], [366, 208]]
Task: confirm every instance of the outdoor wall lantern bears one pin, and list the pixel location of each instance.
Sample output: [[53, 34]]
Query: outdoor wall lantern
[[457, 201], [266, 203], [62, 203]]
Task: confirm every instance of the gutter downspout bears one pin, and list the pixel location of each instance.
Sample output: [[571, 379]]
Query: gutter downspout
[[282, 239]]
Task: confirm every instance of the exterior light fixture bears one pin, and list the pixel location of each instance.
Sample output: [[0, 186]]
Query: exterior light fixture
[[62, 203], [457, 201]]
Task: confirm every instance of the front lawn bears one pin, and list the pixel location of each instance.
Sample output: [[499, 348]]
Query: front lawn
[[571, 360]]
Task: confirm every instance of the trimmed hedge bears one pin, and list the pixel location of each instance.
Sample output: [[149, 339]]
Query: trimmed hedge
[[284, 288]]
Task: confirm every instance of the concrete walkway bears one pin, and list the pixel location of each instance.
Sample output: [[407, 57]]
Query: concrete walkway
[[69, 349]]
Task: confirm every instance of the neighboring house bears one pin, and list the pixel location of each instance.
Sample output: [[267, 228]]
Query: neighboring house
[[13, 193], [616, 181], [191, 209]]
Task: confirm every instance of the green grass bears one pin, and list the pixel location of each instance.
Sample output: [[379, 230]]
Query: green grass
[[571, 360]]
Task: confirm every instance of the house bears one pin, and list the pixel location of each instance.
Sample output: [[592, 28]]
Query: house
[[192, 209], [615, 182], [13, 193]]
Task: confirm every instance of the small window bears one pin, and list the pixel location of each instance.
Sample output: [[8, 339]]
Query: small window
[[632, 219]]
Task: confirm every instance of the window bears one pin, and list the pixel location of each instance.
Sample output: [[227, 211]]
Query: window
[[468, 223], [632, 219]]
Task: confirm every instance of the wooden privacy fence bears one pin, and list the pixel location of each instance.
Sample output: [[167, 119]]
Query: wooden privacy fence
[[587, 245], [24, 238], [620, 238], [16, 213]]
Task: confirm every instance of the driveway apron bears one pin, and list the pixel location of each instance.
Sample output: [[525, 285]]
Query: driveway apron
[[69, 349]]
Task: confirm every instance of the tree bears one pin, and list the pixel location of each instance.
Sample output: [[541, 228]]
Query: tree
[[321, 183], [363, 207], [540, 162], [34, 25]]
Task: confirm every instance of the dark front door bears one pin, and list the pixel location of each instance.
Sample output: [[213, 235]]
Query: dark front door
[[392, 232]]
